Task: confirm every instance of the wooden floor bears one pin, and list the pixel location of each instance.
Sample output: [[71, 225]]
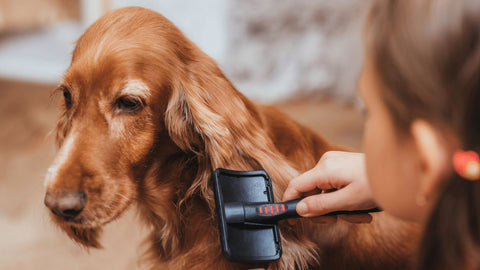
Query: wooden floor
[[27, 238]]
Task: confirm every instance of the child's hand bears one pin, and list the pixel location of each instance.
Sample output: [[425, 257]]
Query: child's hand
[[342, 177]]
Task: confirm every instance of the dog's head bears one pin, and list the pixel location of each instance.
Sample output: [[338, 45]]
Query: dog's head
[[115, 94], [138, 91]]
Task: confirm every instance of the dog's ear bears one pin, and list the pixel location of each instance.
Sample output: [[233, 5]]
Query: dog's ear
[[198, 115], [87, 237], [199, 119], [206, 115]]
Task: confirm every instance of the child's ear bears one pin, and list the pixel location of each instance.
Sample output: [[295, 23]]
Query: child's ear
[[435, 156]]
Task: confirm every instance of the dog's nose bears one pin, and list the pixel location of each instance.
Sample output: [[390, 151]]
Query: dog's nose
[[66, 204]]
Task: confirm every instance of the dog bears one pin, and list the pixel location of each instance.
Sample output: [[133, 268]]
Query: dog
[[146, 117]]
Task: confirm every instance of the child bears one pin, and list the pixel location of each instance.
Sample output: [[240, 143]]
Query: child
[[421, 87]]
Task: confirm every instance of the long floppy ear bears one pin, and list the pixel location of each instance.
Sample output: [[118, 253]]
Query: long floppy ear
[[206, 115], [199, 111]]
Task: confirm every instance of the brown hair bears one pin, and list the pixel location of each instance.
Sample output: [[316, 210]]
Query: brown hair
[[427, 56]]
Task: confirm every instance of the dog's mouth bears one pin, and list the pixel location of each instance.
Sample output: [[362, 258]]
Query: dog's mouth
[[84, 229], [97, 215], [83, 210], [82, 221], [85, 226], [89, 207]]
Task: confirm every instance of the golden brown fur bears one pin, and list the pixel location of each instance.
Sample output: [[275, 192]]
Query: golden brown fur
[[192, 121]]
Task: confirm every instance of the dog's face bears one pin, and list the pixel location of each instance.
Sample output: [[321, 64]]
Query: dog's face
[[105, 134], [114, 95]]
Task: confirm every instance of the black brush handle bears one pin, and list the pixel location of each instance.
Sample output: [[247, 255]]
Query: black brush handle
[[268, 213]]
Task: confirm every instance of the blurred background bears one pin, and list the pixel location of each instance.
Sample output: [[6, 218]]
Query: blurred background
[[304, 56]]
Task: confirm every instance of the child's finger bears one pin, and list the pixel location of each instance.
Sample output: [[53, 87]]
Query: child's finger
[[308, 181], [300, 184]]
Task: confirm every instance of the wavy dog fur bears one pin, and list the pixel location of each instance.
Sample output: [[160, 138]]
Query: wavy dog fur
[[186, 120]]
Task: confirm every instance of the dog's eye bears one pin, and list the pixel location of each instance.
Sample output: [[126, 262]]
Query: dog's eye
[[67, 97], [129, 104]]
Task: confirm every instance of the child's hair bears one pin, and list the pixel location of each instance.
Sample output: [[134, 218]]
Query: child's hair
[[426, 53]]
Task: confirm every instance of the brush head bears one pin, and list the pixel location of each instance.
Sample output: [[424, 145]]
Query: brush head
[[245, 242]]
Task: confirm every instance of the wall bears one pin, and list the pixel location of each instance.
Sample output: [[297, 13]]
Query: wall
[[282, 48], [270, 49]]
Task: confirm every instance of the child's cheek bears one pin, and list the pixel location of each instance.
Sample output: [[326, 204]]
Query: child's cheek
[[375, 153], [389, 170], [382, 160]]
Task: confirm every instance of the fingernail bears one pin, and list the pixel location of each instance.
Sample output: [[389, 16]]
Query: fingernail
[[302, 208]]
